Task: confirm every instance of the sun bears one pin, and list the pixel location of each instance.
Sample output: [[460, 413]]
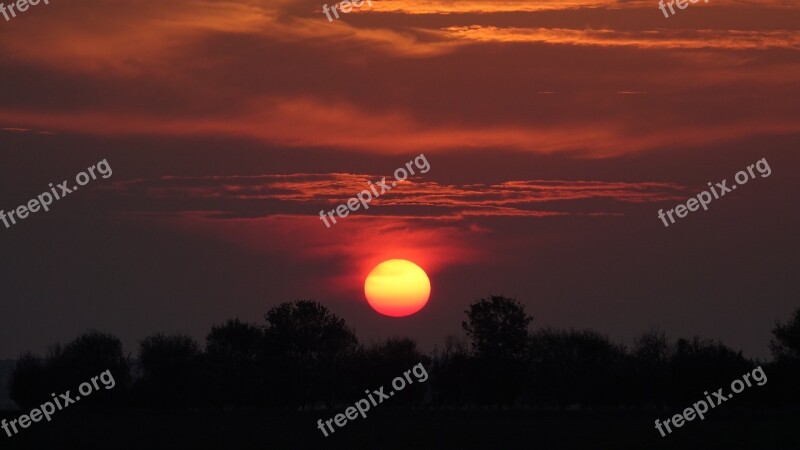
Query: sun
[[397, 288]]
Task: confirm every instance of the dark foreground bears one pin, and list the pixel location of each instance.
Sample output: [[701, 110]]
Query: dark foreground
[[404, 430]]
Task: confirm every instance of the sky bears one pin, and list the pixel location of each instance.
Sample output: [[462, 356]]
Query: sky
[[555, 130]]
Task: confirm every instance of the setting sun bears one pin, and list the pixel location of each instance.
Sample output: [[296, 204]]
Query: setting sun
[[397, 288]]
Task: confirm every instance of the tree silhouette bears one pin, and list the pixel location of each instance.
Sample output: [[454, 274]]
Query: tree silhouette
[[652, 348], [170, 366], [651, 355], [699, 364], [307, 357], [785, 371], [577, 367], [498, 329], [27, 385], [67, 366], [454, 373], [786, 344], [380, 363], [313, 345], [236, 372]]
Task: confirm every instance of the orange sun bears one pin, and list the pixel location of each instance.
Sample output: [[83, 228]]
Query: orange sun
[[397, 288]]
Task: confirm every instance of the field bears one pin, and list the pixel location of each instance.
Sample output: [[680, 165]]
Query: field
[[404, 430]]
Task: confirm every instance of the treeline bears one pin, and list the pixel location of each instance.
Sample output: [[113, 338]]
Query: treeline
[[306, 357]]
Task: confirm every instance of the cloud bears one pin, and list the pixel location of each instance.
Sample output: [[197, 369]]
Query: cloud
[[418, 7], [675, 39], [473, 6], [81, 37], [227, 197], [286, 122], [145, 38], [433, 224], [278, 73]]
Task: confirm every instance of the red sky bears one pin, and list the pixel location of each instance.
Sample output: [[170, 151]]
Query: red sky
[[555, 130]]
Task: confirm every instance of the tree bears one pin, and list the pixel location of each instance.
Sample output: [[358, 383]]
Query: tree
[[651, 356], [379, 363], [235, 340], [170, 367], [67, 366], [454, 371], [577, 366], [312, 346], [497, 327], [786, 344], [233, 352], [88, 355], [28, 383], [652, 348], [699, 363], [784, 372], [307, 329]]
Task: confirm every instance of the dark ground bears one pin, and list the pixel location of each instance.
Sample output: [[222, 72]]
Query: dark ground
[[404, 430]]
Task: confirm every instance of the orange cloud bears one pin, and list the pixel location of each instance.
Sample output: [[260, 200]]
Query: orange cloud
[[435, 225], [81, 37], [501, 6], [185, 69], [476, 6], [414, 198], [680, 39], [286, 122]]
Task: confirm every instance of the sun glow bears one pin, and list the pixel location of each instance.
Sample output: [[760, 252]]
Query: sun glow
[[397, 288]]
